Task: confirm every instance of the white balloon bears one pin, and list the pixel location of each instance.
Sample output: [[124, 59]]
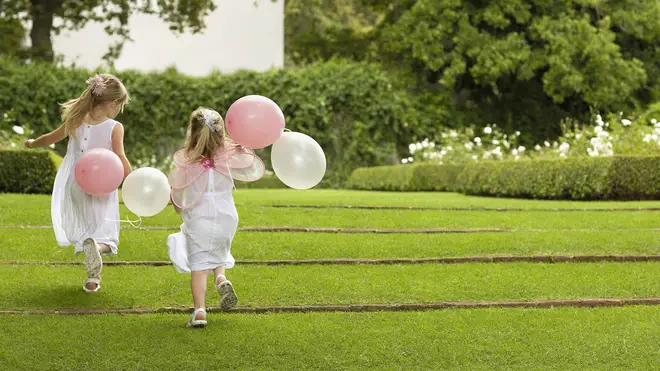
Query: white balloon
[[298, 160], [146, 191]]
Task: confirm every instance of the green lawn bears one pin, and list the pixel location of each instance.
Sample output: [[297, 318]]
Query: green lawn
[[39, 245], [483, 339], [567, 338], [57, 287]]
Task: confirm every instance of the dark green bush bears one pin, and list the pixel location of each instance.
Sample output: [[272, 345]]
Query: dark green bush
[[351, 109], [267, 181], [418, 177], [26, 172], [603, 178]]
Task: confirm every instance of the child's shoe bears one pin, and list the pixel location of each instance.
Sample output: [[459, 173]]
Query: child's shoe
[[228, 297], [197, 323], [93, 265]]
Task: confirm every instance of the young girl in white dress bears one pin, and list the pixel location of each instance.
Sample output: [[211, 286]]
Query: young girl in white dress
[[202, 184], [89, 223]]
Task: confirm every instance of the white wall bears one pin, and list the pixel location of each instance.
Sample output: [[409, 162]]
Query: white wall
[[238, 36]]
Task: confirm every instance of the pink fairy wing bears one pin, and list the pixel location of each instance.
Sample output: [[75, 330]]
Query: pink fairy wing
[[188, 181], [240, 163]]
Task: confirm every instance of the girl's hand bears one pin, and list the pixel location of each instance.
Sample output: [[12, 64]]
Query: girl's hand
[[28, 143]]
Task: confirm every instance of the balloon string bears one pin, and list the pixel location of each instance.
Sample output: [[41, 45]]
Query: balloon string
[[134, 223]]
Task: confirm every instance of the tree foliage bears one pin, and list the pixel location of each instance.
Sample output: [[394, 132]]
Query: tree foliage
[[49, 17]]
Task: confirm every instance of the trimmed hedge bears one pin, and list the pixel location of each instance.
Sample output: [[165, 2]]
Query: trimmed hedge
[[266, 182], [26, 172], [351, 109], [407, 178], [604, 178]]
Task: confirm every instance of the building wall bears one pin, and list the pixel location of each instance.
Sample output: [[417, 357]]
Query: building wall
[[239, 36]]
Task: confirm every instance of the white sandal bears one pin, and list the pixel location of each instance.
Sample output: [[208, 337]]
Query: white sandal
[[228, 296], [93, 261], [197, 323], [96, 281]]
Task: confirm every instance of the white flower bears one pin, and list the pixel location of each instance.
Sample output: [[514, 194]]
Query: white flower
[[425, 144], [578, 136], [432, 144], [592, 152], [537, 147], [425, 155], [507, 145], [13, 145], [52, 146], [546, 143], [603, 134], [598, 129], [497, 151], [517, 158], [555, 144], [517, 133], [564, 147], [562, 155], [595, 141], [599, 120], [443, 152], [18, 130], [475, 157], [404, 161], [469, 146], [477, 140], [654, 136], [486, 154], [488, 130], [410, 159], [419, 146], [647, 138], [626, 122], [653, 121], [515, 152], [453, 134], [412, 148], [496, 142], [522, 149], [449, 148]]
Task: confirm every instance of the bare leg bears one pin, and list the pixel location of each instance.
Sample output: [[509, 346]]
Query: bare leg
[[198, 287], [219, 274], [104, 249]]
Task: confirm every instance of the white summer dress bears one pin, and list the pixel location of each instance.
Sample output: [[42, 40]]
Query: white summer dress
[[203, 189], [77, 215]]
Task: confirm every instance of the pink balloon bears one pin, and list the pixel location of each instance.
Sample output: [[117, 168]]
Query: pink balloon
[[99, 172], [254, 121]]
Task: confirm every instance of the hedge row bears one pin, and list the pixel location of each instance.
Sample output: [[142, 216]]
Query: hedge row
[[351, 109], [26, 172], [608, 178], [34, 172]]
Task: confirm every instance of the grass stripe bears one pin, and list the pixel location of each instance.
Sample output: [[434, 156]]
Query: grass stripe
[[454, 260], [392, 219], [577, 303], [476, 339], [56, 287], [499, 209], [368, 198], [39, 245]]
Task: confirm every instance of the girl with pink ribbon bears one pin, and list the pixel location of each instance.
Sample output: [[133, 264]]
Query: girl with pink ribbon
[[202, 183]]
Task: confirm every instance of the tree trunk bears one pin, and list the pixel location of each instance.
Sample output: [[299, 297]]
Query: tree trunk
[[42, 14]]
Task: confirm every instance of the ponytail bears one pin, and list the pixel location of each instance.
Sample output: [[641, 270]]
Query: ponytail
[[75, 110], [203, 141]]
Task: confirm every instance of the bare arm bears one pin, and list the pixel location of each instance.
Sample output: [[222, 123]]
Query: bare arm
[[47, 139], [118, 147]]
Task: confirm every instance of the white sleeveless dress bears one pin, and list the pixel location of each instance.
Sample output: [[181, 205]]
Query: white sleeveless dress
[[77, 215]]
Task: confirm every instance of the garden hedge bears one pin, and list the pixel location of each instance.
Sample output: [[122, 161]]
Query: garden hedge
[[351, 109], [407, 178], [603, 178], [26, 172]]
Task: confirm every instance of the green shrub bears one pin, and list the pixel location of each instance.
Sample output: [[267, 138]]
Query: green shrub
[[600, 178], [351, 109], [26, 172], [422, 177], [266, 182]]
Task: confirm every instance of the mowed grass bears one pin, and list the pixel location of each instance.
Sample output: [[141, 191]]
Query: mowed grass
[[56, 287], [40, 245], [480, 339], [252, 216], [367, 198]]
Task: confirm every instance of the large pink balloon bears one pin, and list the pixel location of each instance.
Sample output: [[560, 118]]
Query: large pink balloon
[[255, 121], [99, 172]]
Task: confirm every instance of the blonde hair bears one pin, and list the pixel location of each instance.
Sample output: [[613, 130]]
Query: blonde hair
[[206, 134], [101, 89]]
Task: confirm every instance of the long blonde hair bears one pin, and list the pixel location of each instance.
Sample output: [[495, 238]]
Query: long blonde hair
[[206, 134], [100, 89]]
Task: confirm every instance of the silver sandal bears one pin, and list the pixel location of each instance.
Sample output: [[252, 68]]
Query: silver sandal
[[197, 323]]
